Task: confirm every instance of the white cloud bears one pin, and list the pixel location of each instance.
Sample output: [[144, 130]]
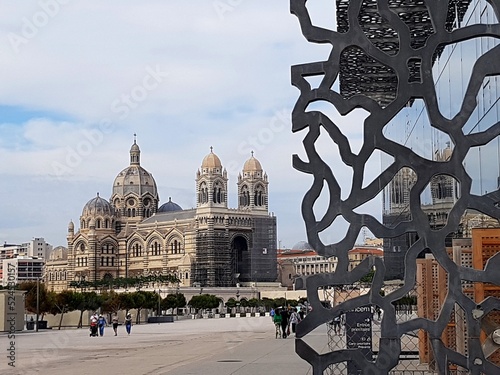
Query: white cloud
[[227, 86]]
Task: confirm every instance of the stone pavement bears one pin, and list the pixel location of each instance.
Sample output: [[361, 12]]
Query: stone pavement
[[239, 346]]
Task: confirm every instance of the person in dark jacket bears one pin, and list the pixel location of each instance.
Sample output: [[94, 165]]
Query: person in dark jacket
[[128, 323], [284, 322]]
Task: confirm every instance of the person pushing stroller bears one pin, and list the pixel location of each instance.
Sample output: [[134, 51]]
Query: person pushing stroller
[[93, 325]]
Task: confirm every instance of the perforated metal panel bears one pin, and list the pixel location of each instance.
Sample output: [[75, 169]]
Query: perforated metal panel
[[382, 54]]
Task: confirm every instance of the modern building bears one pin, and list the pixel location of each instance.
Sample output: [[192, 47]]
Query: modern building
[[22, 268], [412, 128], [36, 248], [432, 290], [210, 245]]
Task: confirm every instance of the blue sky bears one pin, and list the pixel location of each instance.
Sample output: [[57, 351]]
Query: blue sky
[[79, 78]]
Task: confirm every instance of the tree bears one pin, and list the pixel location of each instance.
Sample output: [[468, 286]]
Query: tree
[[282, 301], [204, 301], [231, 303], [268, 303], [30, 297], [86, 301], [368, 278], [127, 301], [173, 301], [253, 303], [62, 303], [143, 300]]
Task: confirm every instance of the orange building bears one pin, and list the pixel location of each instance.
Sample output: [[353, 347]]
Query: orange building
[[432, 288]]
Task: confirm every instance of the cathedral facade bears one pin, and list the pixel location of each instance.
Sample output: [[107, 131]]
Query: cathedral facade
[[209, 245]]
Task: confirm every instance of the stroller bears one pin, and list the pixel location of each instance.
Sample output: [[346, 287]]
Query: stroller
[[93, 329]]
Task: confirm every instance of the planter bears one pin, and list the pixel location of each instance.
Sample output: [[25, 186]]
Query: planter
[[161, 319]]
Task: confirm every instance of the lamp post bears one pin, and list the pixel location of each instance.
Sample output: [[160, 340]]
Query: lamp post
[[177, 303], [238, 300], [159, 302], [37, 301]]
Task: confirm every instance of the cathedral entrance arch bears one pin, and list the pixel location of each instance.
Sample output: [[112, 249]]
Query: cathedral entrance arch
[[239, 249]]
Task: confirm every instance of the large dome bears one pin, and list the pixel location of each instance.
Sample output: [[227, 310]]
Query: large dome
[[134, 179], [211, 161], [97, 207], [169, 206]]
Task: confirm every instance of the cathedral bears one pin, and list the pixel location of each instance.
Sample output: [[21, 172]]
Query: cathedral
[[209, 245]]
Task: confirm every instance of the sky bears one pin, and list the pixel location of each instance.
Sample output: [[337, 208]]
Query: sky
[[80, 77]]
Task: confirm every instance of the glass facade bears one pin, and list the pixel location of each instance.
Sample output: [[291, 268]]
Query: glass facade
[[411, 127]]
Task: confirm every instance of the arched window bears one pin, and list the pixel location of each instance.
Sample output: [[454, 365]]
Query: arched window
[[102, 261], [155, 248], [137, 250], [108, 249], [98, 224], [133, 212], [203, 198], [129, 212], [187, 275]]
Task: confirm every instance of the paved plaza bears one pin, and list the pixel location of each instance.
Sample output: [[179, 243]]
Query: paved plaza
[[240, 346]]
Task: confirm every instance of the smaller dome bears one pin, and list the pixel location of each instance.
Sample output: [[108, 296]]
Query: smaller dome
[[59, 253], [97, 206], [135, 148], [211, 161], [302, 246], [252, 165], [169, 206], [71, 226]]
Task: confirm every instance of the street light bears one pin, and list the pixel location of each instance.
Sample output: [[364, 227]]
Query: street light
[[177, 303], [37, 301], [238, 300], [159, 302]]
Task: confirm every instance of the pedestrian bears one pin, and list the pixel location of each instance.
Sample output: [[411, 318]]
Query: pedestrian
[[336, 324], [294, 319], [101, 322], [277, 322], [284, 322], [272, 312], [128, 322], [302, 313], [93, 325], [115, 324], [378, 312]]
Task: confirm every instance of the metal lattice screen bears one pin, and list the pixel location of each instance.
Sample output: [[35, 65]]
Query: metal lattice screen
[[382, 58]]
